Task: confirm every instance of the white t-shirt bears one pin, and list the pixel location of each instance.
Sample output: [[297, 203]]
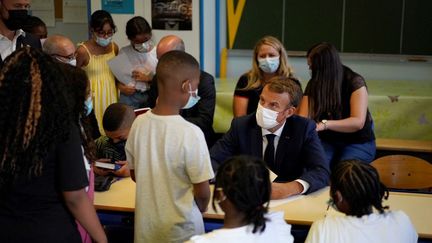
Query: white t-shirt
[[277, 230], [390, 227], [168, 154], [144, 62]]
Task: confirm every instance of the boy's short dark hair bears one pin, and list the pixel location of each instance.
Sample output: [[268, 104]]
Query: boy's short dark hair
[[117, 116], [175, 64]]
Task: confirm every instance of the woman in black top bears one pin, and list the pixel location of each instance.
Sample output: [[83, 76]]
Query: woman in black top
[[337, 99], [42, 173]]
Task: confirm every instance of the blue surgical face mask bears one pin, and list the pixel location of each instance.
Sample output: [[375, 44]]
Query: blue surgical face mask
[[102, 41], [88, 104], [193, 98], [269, 64]]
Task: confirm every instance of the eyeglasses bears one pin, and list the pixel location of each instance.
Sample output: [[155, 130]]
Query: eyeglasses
[[105, 33], [65, 58]]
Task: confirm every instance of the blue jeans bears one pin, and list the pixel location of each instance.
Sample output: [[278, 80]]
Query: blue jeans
[[338, 151], [137, 100]]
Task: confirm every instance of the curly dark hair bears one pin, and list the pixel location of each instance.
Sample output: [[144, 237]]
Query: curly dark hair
[[360, 186], [33, 112], [246, 183], [79, 90]]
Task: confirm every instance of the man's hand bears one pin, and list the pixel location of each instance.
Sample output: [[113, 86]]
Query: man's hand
[[141, 76], [284, 190], [125, 89]]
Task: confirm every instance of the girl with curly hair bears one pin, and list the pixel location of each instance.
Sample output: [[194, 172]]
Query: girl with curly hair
[[42, 172]]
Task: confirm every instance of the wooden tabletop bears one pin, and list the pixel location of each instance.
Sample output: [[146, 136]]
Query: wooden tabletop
[[302, 211]]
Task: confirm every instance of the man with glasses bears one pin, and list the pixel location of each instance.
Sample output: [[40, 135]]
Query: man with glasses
[[61, 48], [288, 143], [13, 15]]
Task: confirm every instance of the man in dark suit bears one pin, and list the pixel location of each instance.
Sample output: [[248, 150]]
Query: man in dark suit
[[298, 160], [202, 113], [13, 15]]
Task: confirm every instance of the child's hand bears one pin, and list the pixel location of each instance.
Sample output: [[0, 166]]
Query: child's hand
[[102, 171], [124, 169], [141, 76]]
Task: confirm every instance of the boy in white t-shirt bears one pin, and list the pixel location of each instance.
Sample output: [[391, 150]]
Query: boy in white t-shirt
[[356, 189], [169, 159]]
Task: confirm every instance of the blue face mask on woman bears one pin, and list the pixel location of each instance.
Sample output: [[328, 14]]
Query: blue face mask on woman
[[88, 104], [102, 41], [269, 64], [193, 98]]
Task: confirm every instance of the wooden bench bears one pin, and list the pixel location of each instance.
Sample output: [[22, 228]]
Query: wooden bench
[[417, 146]]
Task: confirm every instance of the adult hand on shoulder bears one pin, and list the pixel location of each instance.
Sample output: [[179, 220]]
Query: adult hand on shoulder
[[284, 190], [125, 89], [124, 169]]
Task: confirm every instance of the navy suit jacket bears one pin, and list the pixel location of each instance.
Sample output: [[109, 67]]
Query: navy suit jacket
[[299, 153]]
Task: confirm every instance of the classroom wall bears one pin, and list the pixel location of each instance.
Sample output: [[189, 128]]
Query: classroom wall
[[239, 61], [76, 32]]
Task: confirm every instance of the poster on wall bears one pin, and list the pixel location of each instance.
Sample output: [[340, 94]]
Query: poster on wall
[[118, 6], [172, 14]]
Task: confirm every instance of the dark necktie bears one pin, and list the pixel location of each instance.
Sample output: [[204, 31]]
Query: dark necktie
[[269, 153]]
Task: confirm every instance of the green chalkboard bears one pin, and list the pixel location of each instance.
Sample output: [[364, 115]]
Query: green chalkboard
[[358, 26], [260, 18], [372, 26], [417, 28], [308, 22]]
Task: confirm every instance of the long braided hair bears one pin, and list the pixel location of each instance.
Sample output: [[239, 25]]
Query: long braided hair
[[246, 183], [360, 186], [33, 112]]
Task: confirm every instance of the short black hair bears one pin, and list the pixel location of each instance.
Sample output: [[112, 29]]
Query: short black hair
[[177, 63], [99, 18], [246, 183], [137, 25], [117, 116], [32, 22], [360, 186]]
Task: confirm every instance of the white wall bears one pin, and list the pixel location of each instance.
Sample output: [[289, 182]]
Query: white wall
[[76, 32]]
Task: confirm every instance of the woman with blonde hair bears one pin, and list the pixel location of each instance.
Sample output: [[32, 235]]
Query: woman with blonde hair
[[269, 60]]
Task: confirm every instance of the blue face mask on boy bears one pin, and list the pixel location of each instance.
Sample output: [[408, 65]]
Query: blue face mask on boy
[[193, 98], [88, 104]]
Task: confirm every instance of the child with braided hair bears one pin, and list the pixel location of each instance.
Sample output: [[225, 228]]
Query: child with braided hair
[[242, 189], [355, 190], [42, 172]]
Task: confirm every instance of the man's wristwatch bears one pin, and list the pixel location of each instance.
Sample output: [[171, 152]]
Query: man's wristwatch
[[325, 124]]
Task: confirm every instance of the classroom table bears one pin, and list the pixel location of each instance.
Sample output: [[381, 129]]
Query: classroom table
[[400, 109], [303, 210]]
